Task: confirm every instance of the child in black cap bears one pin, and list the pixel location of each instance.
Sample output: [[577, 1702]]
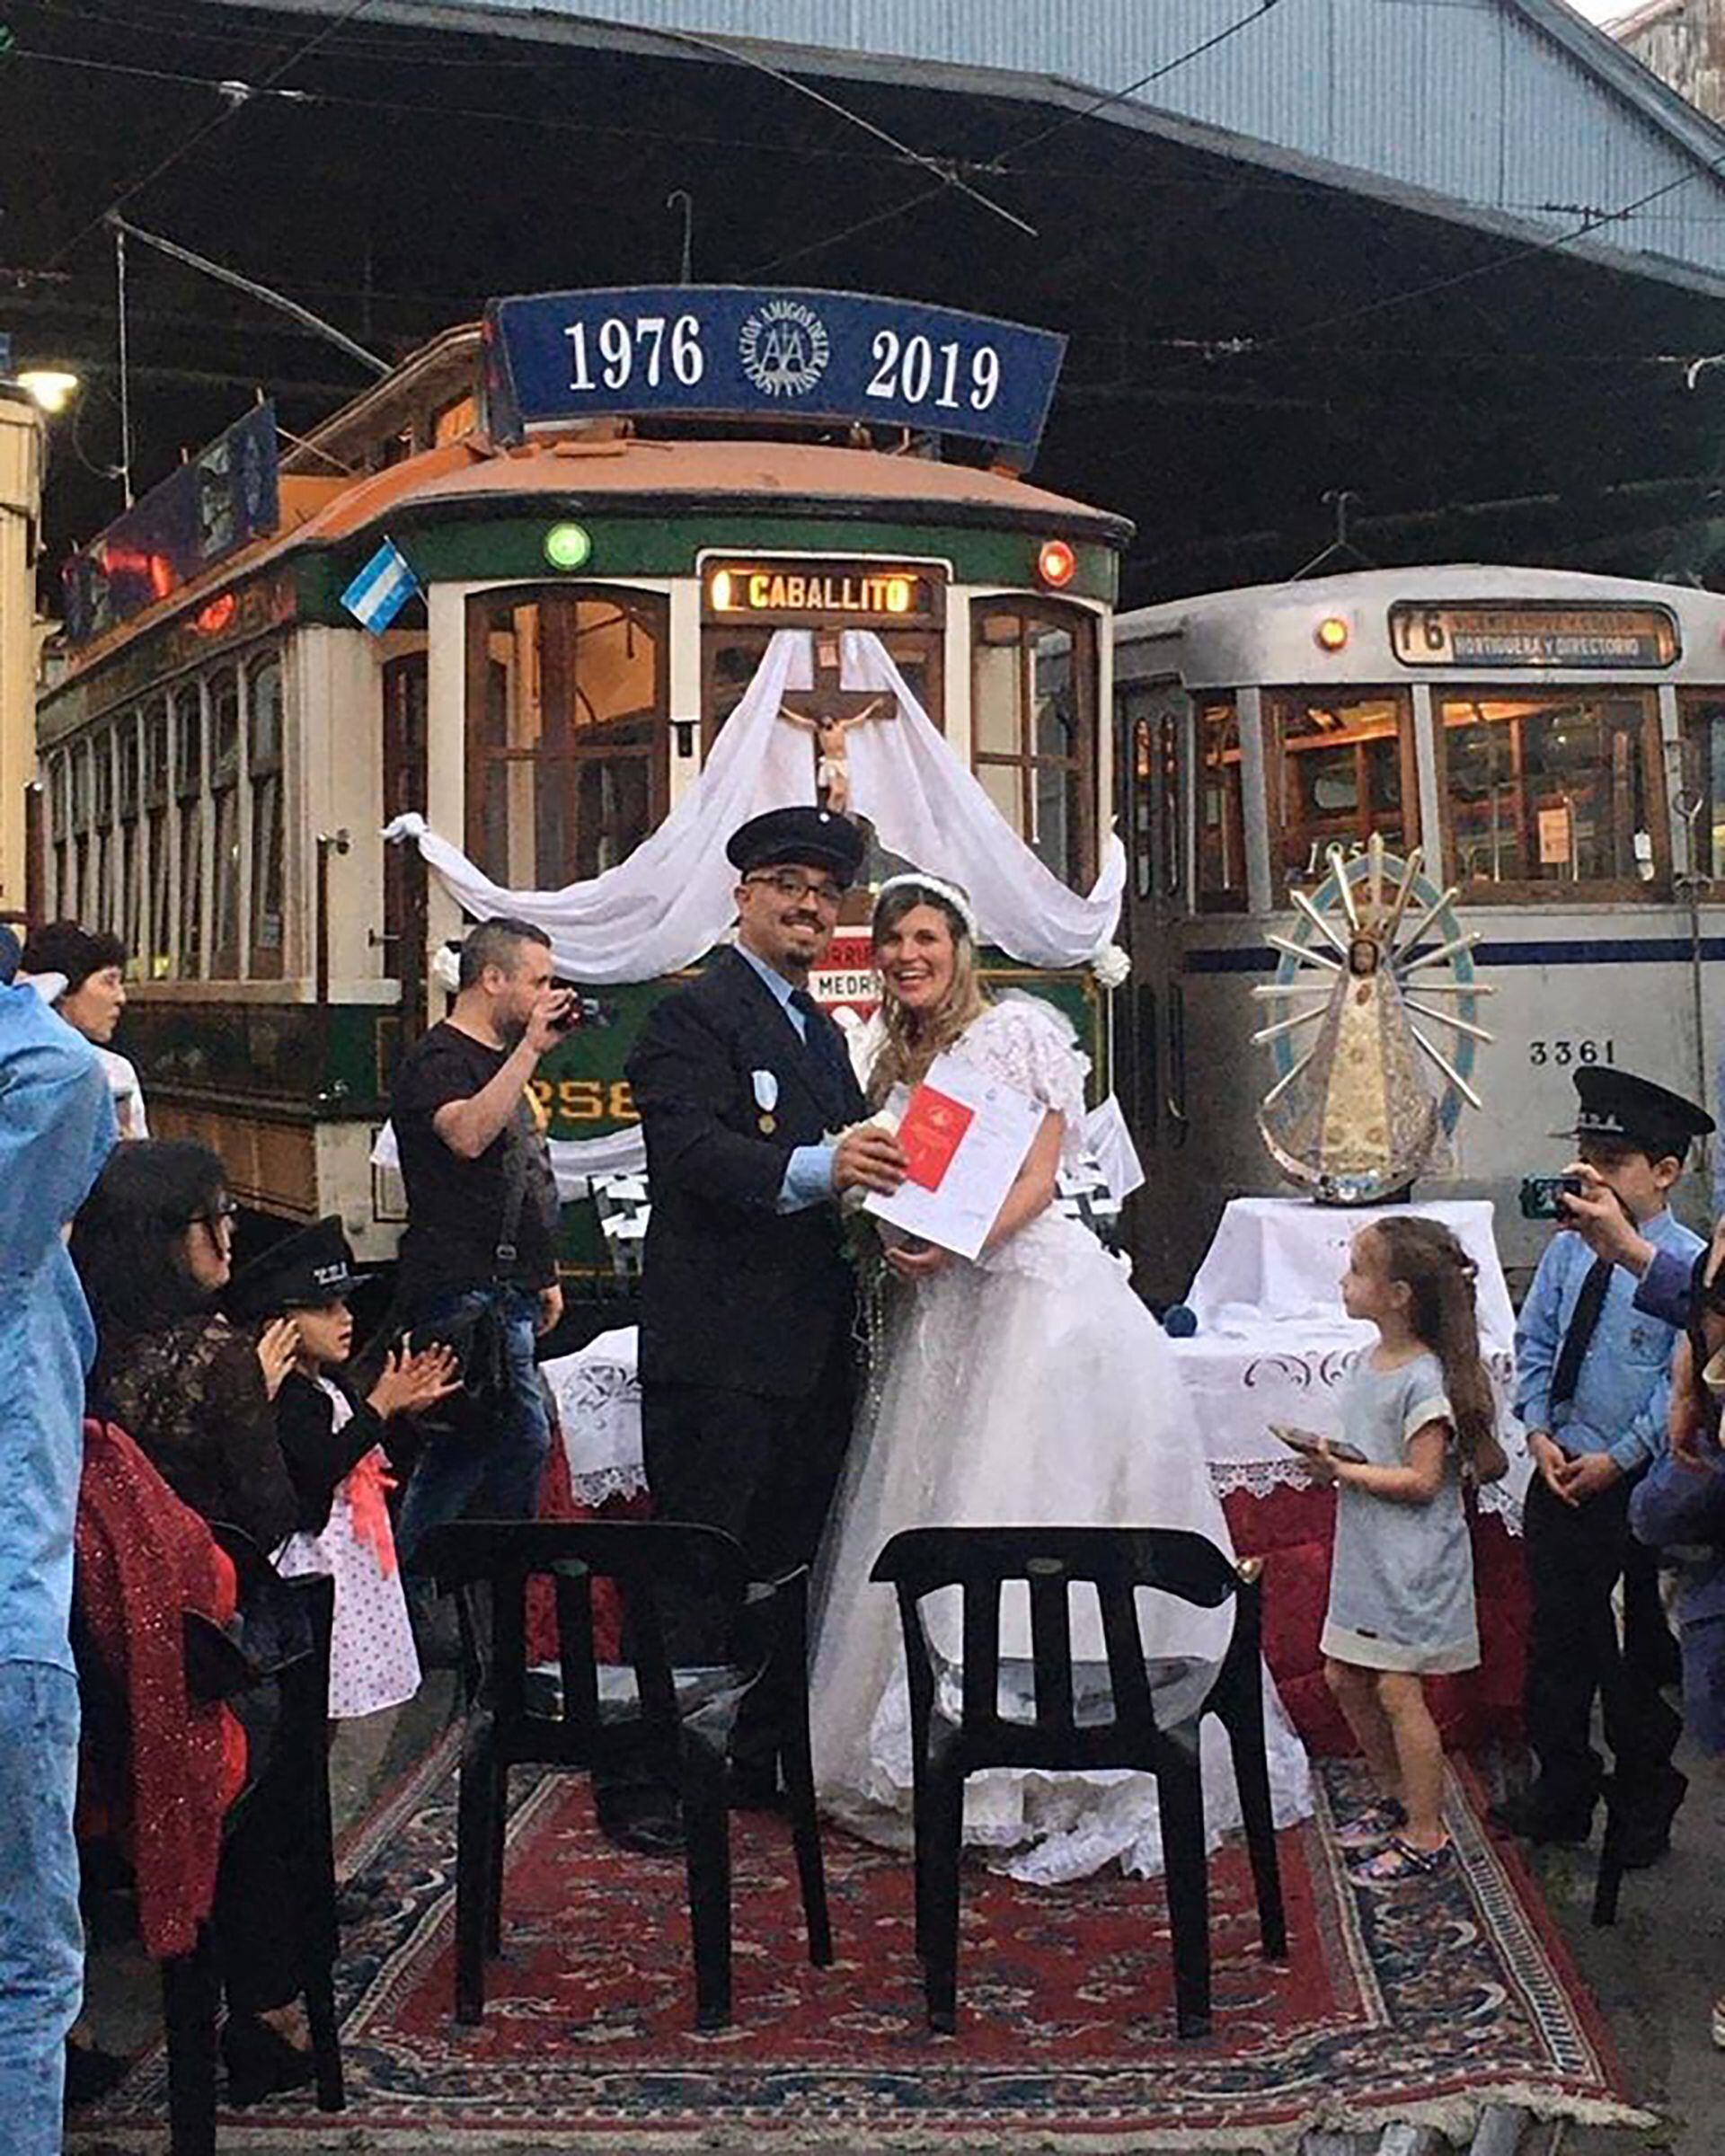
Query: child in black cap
[[334, 1447], [1593, 1389]]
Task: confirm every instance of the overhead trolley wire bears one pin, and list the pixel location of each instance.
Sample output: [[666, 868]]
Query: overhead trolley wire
[[202, 133]]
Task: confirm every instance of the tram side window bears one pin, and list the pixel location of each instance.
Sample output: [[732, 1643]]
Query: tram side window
[[1555, 786], [188, 824], [101, 819], [59, 835], [263, 782], [1033, 726], [1340, 768], [1221, 810], [128, 839], [1703, 783], [77, 896], [156, 945], [222, 749], [567, 737]]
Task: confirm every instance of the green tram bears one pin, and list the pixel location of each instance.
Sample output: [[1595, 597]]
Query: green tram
[[590, 551]]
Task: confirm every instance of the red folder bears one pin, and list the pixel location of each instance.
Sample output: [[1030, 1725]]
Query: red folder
[[934, 1126]]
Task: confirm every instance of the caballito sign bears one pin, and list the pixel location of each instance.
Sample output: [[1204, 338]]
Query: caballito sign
[[734, 350]]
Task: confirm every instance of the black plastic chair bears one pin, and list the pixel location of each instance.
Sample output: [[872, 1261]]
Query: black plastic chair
[[1146, 1715], [218, 1667], [644, 1716]]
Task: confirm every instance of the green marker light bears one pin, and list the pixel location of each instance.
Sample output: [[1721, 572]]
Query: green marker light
[[568, 546]]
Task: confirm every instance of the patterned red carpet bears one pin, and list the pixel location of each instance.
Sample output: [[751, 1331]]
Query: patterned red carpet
[[1417, 2005]]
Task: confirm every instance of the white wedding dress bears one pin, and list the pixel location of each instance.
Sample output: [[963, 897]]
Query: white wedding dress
[[1032, 1386]]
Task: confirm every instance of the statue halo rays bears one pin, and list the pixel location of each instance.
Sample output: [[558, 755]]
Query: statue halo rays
[[1374, 1032]]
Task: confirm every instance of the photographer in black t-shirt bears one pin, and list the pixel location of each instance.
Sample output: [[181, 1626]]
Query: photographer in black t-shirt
[[472, 1154]]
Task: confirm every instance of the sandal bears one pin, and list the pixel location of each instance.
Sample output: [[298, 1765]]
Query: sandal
[[1373, 1827], [1399, 1860]]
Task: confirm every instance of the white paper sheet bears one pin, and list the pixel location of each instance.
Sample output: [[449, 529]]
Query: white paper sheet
[[958, 1214]]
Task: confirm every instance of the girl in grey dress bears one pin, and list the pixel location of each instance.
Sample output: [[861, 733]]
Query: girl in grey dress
[[1418, 1410]]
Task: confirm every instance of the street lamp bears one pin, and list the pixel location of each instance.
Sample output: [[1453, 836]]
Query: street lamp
[[52, 388]]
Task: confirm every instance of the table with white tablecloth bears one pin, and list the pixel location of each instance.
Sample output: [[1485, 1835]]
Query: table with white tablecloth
[[597, 1393]]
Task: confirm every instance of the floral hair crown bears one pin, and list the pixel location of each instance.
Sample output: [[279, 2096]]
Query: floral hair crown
[[958, 898]]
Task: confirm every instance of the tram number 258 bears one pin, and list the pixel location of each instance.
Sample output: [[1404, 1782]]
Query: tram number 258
[[587, 1100], [1564, 1053]]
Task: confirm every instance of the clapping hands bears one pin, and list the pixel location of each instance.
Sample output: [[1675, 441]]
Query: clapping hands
[[277, 1349], [409, 1382]]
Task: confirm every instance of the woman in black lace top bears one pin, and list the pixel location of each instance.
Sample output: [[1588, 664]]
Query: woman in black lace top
[[152, 1248], [196, 1393]]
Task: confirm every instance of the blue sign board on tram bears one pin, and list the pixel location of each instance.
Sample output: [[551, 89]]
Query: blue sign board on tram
[[737, 351], [217, 502]]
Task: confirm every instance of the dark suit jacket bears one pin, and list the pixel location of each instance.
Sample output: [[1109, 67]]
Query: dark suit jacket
[[734, 1294]]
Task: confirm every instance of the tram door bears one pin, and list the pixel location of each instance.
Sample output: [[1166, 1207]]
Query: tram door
[[1152, 719]]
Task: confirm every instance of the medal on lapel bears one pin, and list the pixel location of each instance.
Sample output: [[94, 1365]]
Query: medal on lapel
[[765, 1084]]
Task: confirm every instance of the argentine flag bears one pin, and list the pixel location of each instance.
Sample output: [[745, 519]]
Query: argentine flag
[[381, 589]]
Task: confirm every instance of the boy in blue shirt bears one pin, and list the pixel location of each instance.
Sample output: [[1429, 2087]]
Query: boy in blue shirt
[[1593, 1387]]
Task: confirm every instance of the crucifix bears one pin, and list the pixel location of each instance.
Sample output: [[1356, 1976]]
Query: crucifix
[[830, 710]]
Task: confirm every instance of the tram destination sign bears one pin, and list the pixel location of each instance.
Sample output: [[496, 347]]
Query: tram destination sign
[[1490, 635], [737, 351]]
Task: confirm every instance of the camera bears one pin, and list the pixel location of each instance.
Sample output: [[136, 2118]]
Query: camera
[[573, 1010], [1543, 1195]]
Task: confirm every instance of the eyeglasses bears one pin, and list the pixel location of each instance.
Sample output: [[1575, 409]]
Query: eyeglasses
[[788, 886], [221, 1214]]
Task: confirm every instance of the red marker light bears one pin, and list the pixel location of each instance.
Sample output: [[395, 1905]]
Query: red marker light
[[1056, 563], [212, 619], [1331, 633]]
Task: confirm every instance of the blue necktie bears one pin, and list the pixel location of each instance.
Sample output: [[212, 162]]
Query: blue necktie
[[825, 1047]]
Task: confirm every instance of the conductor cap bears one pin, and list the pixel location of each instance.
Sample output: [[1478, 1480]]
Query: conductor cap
[[818, 837]]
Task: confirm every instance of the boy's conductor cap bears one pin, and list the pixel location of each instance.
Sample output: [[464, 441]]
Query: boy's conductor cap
[[1619, 1108]]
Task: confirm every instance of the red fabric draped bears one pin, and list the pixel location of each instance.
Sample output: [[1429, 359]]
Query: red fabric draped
[[143, 1558]]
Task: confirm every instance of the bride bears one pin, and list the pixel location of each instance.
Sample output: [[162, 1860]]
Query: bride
[[1030, 1386]]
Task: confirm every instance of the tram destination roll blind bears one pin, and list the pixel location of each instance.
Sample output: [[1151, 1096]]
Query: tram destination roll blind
[[733, 350], [1490, 634]]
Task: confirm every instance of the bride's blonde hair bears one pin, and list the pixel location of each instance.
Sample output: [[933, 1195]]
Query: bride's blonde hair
[[913, 1039]]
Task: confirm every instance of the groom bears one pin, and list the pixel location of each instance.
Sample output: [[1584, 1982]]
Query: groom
[[751, 1113]]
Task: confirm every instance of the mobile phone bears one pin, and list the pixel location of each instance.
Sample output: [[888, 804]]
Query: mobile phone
[[1541, 1195], [571, 1016], [1308, 1441]]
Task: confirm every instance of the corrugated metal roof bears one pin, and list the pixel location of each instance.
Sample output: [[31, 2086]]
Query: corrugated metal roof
[[1508, 108]]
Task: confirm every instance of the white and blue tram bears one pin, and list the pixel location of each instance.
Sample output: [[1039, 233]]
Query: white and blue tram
[[1555, 744]]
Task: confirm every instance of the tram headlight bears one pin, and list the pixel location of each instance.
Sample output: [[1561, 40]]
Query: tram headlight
[[568, 546], [1056, 563], [1331, 633]]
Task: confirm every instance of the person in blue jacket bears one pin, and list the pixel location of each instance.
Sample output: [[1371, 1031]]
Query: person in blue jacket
[[56, 1126], [1593, 1386]]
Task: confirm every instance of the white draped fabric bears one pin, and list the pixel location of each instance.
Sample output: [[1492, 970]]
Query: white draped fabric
[[670, 901], [573, 1160]]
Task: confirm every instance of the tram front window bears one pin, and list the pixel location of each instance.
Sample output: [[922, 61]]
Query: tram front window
[[1555, 789], [1033, 725], [567, 751], [1340, 768]]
